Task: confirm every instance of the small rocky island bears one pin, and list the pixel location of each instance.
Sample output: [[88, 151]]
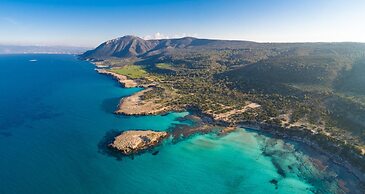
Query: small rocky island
[[135, 141]]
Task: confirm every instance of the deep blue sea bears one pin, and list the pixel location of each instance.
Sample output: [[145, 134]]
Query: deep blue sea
[[56, 111]]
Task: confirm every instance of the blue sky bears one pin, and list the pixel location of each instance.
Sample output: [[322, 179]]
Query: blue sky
[[90, 22]]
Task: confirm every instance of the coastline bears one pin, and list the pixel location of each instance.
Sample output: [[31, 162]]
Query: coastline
[[135, 105], [123, 80], [306, 137]]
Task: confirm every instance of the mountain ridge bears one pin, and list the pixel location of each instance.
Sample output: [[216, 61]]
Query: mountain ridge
[[132, 46]]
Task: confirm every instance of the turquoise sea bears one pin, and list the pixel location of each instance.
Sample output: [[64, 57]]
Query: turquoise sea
[[56, 111]]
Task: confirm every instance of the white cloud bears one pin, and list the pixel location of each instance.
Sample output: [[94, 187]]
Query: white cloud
[[185, 35], [157, 35]]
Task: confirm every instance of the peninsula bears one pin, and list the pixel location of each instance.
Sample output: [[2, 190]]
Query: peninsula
[[310, 92]]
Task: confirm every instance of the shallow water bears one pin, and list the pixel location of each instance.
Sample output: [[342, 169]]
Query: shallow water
[[55, 112]]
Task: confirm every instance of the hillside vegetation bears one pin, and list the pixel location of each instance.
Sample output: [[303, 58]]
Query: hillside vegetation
[[315, 86]]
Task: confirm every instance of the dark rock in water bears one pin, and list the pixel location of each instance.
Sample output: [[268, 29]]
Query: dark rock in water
[[274, 182], [155, 153], [279, 170], [290, 168]]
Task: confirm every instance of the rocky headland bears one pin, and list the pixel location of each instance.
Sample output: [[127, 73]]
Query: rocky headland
[[123, 80], [135, 105]]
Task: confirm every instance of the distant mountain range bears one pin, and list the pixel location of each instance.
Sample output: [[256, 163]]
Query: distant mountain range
[[133, 46], [136, 47], [14, 49]]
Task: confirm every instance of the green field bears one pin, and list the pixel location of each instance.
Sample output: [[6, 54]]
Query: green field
[[131, 71], [163, 66]]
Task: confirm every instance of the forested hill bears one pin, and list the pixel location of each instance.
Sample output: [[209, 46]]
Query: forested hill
[[251, 66], [132, 46]]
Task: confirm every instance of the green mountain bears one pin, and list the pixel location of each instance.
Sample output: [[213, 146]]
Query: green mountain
[[132, 46]]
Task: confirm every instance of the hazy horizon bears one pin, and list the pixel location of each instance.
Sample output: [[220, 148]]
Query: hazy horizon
[[93, 46], [84, 23]]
